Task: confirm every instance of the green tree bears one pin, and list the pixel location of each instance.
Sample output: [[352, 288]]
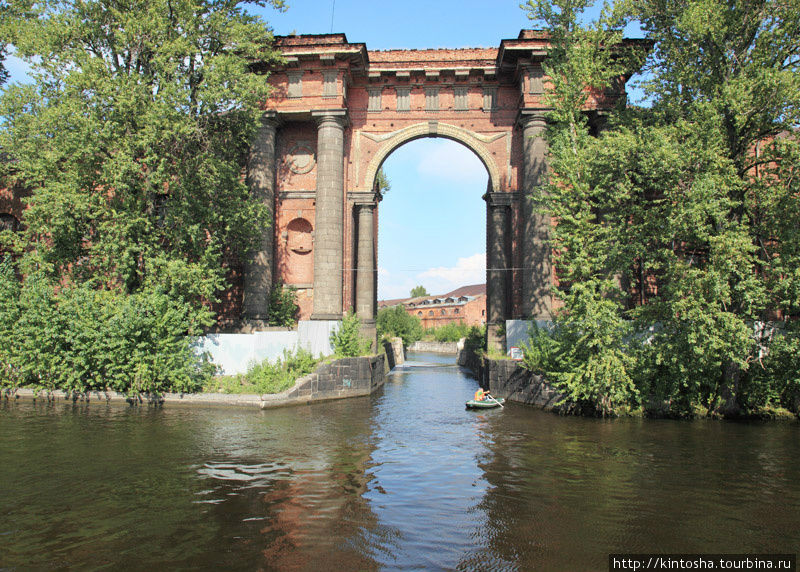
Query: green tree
[[697, 195], [396, 322], [418, 291], [590, 366], [132, 139], [730, 74]]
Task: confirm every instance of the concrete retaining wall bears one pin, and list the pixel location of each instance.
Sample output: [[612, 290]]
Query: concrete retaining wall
[[517, 331], [508, 379], [348, 377], [235, 353], [435, 347]]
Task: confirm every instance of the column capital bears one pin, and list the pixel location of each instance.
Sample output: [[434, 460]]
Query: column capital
[[328, 116], [534, 117], [364, 198], [270, 118], [499, 199]]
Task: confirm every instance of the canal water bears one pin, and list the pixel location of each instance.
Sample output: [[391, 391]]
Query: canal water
[[404, 479]]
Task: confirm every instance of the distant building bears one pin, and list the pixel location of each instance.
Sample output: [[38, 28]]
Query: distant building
[[466, 304]]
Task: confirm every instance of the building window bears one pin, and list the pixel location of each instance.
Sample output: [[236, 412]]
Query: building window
[[419, 314], [430, 312], [444, 312], [403, 99], [489, 98], [536, 81], [374, 98], [483, 312], [8, 222], [431, 99], [329, 83], [457, 311], [460, 94], [295, 84]]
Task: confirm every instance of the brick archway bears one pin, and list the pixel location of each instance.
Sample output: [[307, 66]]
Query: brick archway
[[473, 141], [336, 112]]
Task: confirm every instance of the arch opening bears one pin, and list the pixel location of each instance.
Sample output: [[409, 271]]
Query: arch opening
[[432, 227]]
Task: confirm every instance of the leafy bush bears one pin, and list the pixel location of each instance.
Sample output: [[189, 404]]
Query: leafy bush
[[266, 377], [396, 322], [76, 338], [476, 340], [539, 351], [774, 381], [588, 356], [451, 332], [283, 306], [347, 340]]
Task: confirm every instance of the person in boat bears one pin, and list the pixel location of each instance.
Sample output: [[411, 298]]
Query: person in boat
[[482, 395]]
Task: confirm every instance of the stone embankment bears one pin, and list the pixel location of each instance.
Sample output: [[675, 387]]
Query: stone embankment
[[437, 347], [508, 379], [348, 377]]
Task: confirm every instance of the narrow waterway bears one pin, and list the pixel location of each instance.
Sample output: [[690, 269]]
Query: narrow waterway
[[406, 478]]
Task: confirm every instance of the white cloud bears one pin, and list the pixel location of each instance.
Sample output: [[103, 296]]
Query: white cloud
[[437, 280], [443, 279]]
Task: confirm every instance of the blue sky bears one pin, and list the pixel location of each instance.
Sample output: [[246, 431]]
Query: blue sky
[[432, 223]]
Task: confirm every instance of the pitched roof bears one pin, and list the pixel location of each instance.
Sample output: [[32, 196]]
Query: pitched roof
[[473, 290]]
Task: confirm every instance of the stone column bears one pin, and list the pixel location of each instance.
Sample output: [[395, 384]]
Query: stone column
[[498, 257], [365, 204], [329, 231], [261, 180], [536, 267]]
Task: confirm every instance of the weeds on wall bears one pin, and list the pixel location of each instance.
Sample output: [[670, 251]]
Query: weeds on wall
[[283, 308], [347, 341], [266, 377]]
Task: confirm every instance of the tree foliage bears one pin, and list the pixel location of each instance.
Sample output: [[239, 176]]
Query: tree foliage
[[418, 291], [450, 332], [132, 139], [677, 225], [382, 183], [396, 322]]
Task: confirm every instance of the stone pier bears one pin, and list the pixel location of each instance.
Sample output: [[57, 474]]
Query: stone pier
[[329, 232], [261, 180], [498, 257], [536, 265]]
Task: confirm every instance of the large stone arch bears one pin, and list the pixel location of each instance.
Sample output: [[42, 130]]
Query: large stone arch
[[470, 139], [348, 108]]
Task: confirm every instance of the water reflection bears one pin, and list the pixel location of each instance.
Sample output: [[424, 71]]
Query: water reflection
[[406, 478]]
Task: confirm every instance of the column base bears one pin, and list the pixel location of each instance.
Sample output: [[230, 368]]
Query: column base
[[326, 317], [369, 330], [494, 340]]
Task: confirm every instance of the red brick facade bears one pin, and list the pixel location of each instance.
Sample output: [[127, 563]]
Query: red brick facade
[[480, 97], [466, 304]]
